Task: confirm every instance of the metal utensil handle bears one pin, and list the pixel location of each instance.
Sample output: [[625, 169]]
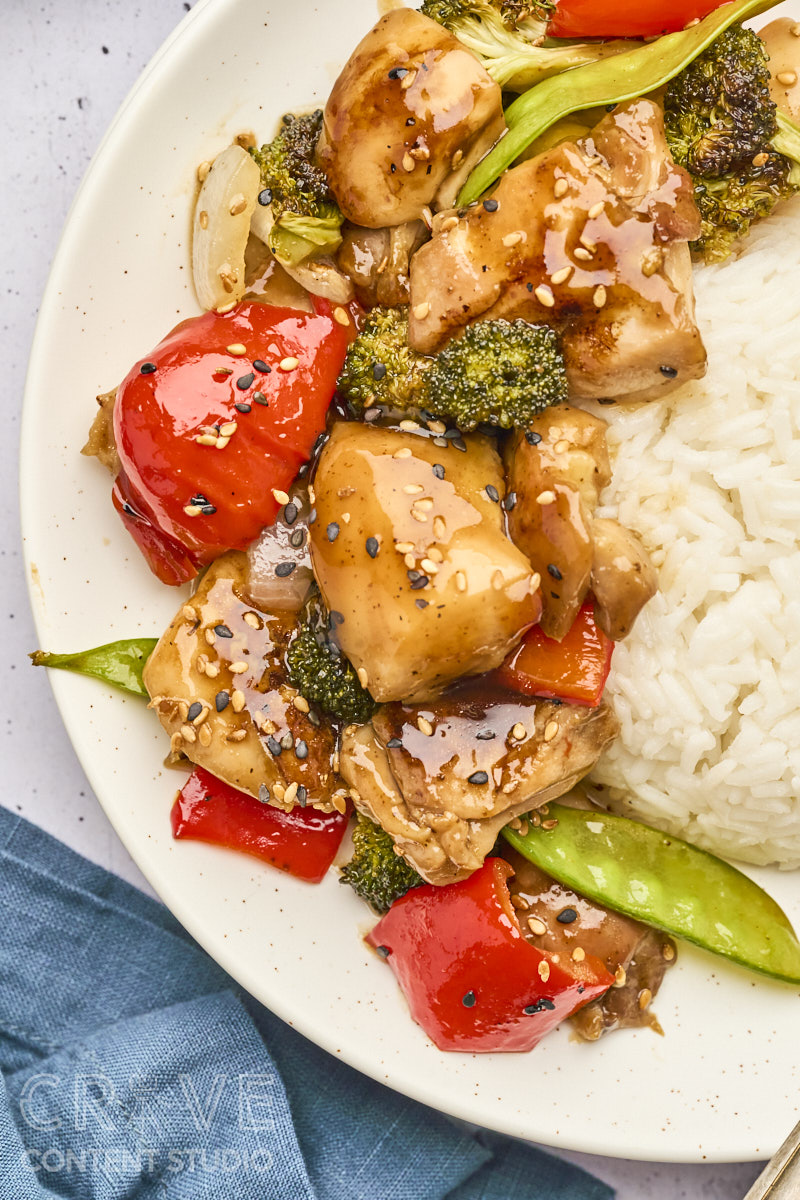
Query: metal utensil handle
[[780, 1179]]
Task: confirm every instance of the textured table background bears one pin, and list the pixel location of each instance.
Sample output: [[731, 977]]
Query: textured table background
[[67, 67]]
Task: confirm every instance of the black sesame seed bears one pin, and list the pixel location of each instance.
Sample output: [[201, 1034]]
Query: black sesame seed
[[260, 398], [543, 1005], [478, 777], [492, 493], [428, 169], [194, 711], [285, 569], [147, 368], [529, 286], [669, 372], [372, 547], [414, 575], [290, 513], [208, 510], [394, 744], [222, 631], [438, 470], [468, 1000], [411, 121], [263, 793], [491, 205], [567, 916], [297, 538], [336, 618], [452, 433], [417, 584], [398, 72], [243, 408], [581, 990], [262, 367], [265, 197], [221, 701], [245, 381], [319, 443], [312, 516], [510, 502], [199, 498], [421, 603], [459, 444], [440, 442], [332, 531], [383, 951], [393, 168], [378, 371], [532, 438], [314, 719], [301, 749], [287, 741], [486, 735], [553, 570], [302, 794], [274, 746]]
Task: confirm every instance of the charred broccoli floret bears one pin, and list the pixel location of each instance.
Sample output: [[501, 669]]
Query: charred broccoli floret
[[718, 111], [723, 126], [504, 34], [499, 373], [381, 367], [375, 872], [321, 673], [306, 215]]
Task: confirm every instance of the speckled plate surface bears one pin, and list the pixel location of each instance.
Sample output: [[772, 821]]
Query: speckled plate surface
[[723, 1083]]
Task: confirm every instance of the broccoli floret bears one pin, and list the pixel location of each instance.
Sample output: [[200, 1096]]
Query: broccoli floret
[[505, 36], [723, 126], [307, 217], [321, 673], [497, 372], [718, 111], [375, 872], [728, 206], [381, 367]]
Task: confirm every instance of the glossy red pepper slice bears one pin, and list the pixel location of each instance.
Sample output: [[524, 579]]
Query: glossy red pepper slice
[[574, 669], [625, 18], [303, 842], [471, 979]]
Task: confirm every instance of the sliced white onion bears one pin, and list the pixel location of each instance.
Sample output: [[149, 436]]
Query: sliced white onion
[[273, 549], [222, 219]]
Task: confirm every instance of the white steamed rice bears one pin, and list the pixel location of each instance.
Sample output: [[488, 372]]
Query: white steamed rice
[[707, 687]]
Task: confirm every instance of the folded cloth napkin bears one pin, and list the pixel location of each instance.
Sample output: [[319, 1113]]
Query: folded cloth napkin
[[132, 1067]]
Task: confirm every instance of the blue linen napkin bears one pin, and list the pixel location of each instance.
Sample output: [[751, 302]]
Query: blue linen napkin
[[132, 1067]]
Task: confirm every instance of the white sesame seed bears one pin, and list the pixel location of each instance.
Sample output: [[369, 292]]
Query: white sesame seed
[[461, 581], [413, 489], [404, 547], [645, 996], [238, 735], [408, 163], [437, 426], [561, 276], [439, 528], [226, 308], [435, 554], [237, 668], [193, 510], [429, 566], [288, 364], [419, 516], [583, 254], [550, 730], [535, 580], [410, 561], [403, 452], [340, 316], [596, 210], [560, 188], [203, 219], [252, 620], [290, 795], [312, 495], [280, 497], [188, 734], [537, 926], [519, 731], [409, 426], [498, 580], [238, 700], [561, 447], [363, 677], [206, 439], [238, 349], [424, 505], [238, 204], [546, 498], [600, 296], [301, 704], [278, 790], [456, 159], [408, 80], [421, 310], [787, 78], [205, 735], [221, 442], [424, 726], [620, 978], [210, 637], [345, 518], [544, 971], [228, 429], [188, 613], [544, 295], [586, 241], [212, 670], [514, 239], [447, 224], [202, 171]]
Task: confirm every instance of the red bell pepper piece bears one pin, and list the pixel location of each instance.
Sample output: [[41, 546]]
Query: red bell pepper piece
[[303, 842], [625, 18], [574, 669], [471, 979]]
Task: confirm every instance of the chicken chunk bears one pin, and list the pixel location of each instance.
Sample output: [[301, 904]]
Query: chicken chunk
[[444, 778], [623, 577], [411, 113], [570, 238], [410, 553], [218, 683], [378, 261]]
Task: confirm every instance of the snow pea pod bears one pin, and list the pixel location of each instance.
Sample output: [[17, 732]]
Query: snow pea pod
[[118, 663], [607, 81], [665, 882]]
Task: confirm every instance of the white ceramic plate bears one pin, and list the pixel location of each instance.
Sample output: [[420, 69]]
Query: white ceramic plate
[[723, 1084]]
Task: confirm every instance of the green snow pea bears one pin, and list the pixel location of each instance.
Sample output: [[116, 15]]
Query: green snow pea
[[607, 81], [665, 882], [118, 663]]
